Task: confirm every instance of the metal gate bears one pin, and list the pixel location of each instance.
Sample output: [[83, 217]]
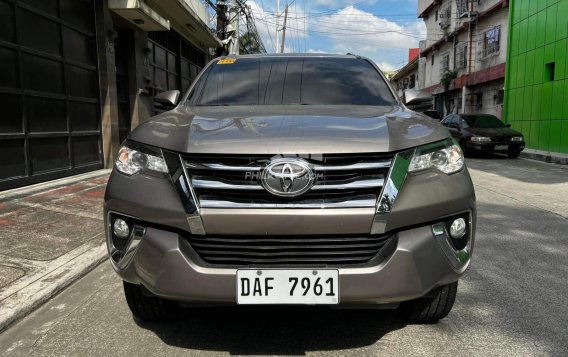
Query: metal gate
[[49, 91]]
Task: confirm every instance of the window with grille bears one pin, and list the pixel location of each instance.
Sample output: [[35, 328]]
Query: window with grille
[[462, 6], [445, 63], [462, 54], [491, 41]]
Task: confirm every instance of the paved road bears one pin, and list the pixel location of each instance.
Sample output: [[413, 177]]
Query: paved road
[[513, 301]]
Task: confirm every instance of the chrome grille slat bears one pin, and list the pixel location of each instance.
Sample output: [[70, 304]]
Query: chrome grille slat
[[358, 166], [233, 181], [320, 168], [221, 167], [344, 204], [351, 185], [214, 184]]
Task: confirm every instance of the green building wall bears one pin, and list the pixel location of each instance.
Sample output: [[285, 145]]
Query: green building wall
[[536, 84]]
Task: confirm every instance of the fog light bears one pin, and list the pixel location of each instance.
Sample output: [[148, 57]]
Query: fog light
[[120, 228], [457, 229]]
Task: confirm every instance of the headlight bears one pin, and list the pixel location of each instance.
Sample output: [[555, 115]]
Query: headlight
[[480, 138], [130, 161], [517, 138], [448, 159]]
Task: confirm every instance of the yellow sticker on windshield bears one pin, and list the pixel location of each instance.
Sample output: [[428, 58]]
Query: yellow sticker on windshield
[[227, 61]]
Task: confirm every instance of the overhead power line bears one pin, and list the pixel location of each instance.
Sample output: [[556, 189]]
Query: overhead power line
[[352, 33]]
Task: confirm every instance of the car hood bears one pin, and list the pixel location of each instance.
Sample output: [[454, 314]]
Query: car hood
[[491, 132], [288, 129]]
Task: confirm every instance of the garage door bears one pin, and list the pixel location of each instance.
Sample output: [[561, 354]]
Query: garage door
[[174, 61], [49, 94]]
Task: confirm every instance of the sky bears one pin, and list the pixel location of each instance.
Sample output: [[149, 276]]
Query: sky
[[382, 30]]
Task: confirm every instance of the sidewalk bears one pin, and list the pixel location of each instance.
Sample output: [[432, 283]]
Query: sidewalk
[[546, 156], [50, 235]]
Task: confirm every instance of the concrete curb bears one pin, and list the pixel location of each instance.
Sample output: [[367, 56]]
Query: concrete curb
[[546, 156], [29, 298], [48, 185]]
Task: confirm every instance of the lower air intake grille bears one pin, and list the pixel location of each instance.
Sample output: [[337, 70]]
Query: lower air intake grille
[[302, 251]]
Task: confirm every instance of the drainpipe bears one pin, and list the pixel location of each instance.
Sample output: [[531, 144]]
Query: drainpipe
[[469, 49], [470, 34]]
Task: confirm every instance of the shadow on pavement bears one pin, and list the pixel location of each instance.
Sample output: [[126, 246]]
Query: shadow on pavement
[[488, 155], [528, 171], [516, 287], [275, 330]]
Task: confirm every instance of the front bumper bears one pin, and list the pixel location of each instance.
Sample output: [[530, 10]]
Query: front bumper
[[491, 146], [165, 264]]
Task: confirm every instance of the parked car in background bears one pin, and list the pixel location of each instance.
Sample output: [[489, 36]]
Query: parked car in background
[[483, 132]]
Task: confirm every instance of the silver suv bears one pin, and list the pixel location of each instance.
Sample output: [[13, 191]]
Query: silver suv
[[290, 179]]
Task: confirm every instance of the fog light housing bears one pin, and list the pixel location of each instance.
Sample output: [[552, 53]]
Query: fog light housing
[[458, 228], [120, 228], [455, 236]]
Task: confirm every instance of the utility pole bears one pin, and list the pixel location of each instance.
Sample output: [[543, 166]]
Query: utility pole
[[234, 45], [221, 26], [284, 30], [277, 23]]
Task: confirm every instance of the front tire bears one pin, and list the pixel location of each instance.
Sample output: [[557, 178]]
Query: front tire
[[147, 308], [431, 309]]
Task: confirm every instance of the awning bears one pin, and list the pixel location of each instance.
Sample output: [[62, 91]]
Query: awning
[[139, 14], [190, 18]]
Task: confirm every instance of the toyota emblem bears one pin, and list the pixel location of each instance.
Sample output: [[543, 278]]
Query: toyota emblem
[[288, 177]]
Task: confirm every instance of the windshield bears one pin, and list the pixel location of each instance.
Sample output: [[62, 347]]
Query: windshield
[[483, 121], [291, 81]]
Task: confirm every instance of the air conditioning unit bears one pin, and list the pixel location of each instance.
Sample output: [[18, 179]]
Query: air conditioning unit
[[445, 18]]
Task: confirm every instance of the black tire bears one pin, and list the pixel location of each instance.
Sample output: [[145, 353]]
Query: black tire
[[431, 309], [147, 308], [513, 154]]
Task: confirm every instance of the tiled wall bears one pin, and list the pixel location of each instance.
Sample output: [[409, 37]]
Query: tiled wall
[[536, 103]]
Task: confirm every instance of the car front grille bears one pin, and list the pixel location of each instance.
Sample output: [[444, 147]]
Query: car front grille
[[341, 181], [239, 251], [500, 139]]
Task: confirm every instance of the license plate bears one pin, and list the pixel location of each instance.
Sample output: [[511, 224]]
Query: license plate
[[501, 147], [285, 286]]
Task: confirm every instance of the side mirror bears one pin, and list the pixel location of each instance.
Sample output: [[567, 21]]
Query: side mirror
[[168, 99], [508, 125]]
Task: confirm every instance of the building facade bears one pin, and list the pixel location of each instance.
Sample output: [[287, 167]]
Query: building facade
[[407, 76], [77, 75], [463, 57], [536, 94]]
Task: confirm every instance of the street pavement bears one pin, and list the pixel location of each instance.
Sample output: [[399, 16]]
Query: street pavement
[[50, 235], [511, 302]]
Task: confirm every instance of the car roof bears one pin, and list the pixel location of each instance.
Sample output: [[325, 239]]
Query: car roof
[[476, 115], [296, 55]]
